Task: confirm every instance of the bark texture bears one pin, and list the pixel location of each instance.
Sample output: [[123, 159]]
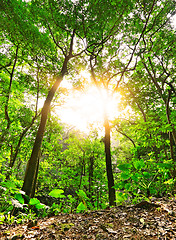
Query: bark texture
[[111, 189]]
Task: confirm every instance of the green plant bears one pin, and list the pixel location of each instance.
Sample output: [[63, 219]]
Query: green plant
[[36, 203], [70, 204], [82, 206], [11, 196], [2, 218], [56, 193], [141, 179]]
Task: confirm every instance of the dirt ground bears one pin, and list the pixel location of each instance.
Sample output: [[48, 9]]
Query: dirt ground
[[146, 220]]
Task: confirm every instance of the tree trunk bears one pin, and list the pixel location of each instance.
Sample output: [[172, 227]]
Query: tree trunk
[[6, 103], [17, 149], [168, 112], [82, 170], [32, 165], [35, 178], [109, 171], [173, 171], [91, 168]]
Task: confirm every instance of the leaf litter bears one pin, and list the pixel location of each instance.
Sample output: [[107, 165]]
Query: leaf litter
[[145, 220]]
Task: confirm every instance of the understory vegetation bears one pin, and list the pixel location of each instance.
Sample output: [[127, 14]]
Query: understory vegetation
[[72, 178], [126, 47]]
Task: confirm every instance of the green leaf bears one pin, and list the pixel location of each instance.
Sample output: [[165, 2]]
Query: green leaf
[[34, 201], [19, 197], [125, 176], [165, 165], [125, 166], [57, 193], [9, 184], [127, 186], [135, 177], [40, 206], [81, 207], [146, 174], [113, 3], [82, 194], [71, 199], [121, 196], [139, 164]]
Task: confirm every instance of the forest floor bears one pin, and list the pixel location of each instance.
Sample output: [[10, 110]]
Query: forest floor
[[154, 220]]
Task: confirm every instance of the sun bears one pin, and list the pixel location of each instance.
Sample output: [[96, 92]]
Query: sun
[[85, 109]]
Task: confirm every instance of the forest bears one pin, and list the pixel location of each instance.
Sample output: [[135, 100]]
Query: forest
[[116, 57]]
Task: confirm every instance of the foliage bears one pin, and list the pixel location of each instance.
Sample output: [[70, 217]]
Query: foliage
[[140, 179], [128, 47]]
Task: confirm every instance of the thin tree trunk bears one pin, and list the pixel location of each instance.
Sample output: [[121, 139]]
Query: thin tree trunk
[[91, 168], [18, 168], [173, 132], [109, 171], [4, 132], [82, 170], [14, 156], [9, 90], [173, 171]]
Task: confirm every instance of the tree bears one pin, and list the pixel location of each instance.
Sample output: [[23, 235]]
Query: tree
[[116, 38]]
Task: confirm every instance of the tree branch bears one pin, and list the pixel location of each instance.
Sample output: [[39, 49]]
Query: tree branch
[[125, 136], [71, 44], [135, 46], [55, 40], [5, 67]]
